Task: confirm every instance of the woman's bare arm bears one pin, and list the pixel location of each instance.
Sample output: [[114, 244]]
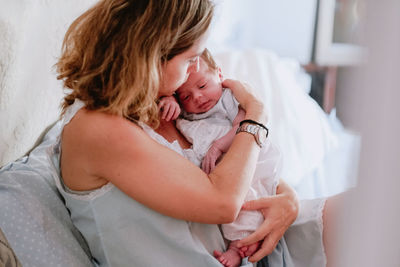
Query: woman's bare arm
[[100, 148]]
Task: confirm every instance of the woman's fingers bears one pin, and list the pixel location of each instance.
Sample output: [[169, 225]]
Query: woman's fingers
[[257, 235], [261, 203], [284, 205], [269, 243], [266, 248], [248, 100], [241, 91]]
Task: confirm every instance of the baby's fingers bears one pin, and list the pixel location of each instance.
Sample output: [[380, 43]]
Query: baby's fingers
[[176, 113], [165, 110], [208, 164], [205, 166], [171, 112]]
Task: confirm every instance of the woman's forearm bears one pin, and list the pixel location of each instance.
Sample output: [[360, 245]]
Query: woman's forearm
[[239, 162], [233, 175]]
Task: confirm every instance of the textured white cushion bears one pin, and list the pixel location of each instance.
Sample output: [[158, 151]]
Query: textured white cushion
[[31, 35]]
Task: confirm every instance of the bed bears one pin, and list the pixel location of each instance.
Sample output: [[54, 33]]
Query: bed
[[319, 155]]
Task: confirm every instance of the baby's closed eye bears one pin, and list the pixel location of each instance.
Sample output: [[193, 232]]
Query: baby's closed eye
[[202, 86]]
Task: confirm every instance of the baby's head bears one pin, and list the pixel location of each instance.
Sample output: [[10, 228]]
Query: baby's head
[[203, 88]]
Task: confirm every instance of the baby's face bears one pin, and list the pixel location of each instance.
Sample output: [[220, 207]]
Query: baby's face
[[201, 91]]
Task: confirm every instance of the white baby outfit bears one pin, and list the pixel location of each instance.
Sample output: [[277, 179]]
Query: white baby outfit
[[203, 129]]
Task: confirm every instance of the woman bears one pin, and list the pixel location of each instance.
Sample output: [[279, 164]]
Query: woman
[[131, 193]]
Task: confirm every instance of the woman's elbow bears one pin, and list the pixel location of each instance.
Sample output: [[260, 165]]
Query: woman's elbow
[[229, 210]]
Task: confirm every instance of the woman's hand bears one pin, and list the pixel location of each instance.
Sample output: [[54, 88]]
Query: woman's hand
[[279, 211], [248, 100]]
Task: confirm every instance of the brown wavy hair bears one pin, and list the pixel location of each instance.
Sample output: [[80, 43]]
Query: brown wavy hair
[[112, 54]]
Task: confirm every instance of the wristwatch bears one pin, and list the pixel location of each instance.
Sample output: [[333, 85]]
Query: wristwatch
[[260, 133]]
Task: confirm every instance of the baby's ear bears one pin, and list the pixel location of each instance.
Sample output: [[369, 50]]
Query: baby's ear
[[220, 75]]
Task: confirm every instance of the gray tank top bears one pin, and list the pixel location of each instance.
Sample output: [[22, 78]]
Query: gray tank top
[[122, 232]]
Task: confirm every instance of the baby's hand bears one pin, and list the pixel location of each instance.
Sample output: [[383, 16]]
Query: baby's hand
[[169, 108], [210, 159]]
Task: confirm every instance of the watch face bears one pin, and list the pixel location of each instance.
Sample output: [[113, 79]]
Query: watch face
[[262, 136]]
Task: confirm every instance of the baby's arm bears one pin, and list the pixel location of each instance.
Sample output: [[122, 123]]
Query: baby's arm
[[222, 144], [169, 108]]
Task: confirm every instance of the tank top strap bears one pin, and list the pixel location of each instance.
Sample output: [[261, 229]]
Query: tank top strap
[[72, 110]]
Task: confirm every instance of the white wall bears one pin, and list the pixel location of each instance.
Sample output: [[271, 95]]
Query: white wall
[[285, 26], [370, 223]]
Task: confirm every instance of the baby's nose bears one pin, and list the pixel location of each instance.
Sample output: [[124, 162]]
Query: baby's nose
[[198, 97]]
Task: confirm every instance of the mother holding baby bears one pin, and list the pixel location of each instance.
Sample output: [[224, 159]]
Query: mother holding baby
[[131, 192]]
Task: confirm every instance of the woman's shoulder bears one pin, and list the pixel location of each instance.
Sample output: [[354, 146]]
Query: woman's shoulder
[[100, 130], [89, 141]]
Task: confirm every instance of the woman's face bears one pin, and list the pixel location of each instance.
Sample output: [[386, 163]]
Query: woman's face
[[176, 71]]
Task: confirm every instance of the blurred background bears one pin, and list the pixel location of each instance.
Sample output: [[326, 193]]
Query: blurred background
[[348, 54], [351, 50]]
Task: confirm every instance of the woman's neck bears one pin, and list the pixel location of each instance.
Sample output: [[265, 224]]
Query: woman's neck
[[169, 131]]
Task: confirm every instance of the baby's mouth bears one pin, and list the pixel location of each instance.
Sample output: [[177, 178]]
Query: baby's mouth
[[205, 105]]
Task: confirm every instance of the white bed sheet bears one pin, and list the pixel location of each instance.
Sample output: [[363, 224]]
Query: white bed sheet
[[317, 150]]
